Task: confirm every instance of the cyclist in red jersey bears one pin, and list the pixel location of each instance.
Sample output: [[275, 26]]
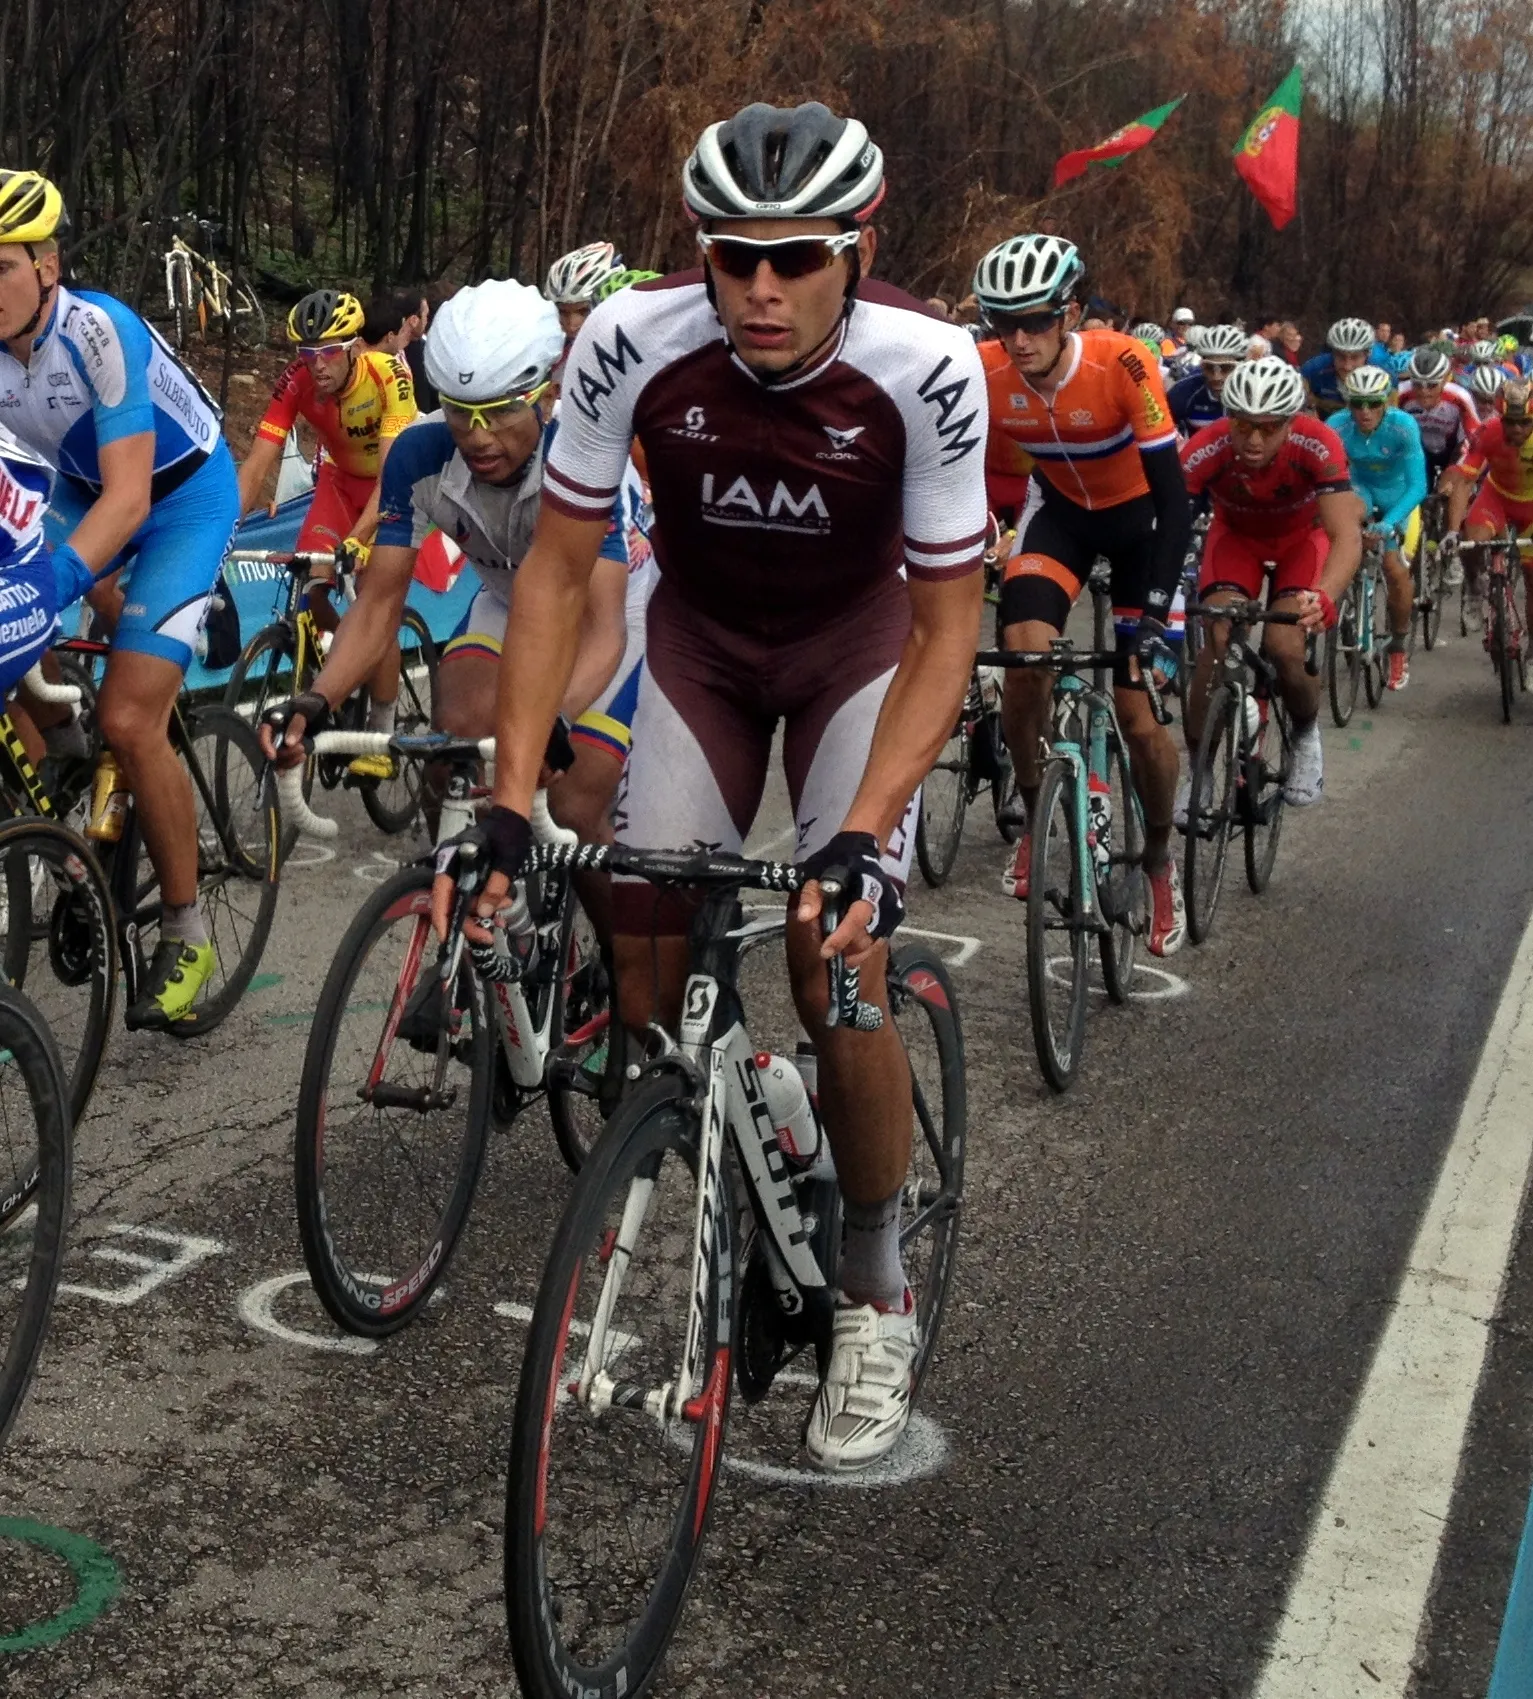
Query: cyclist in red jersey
[[1502, 451], [814, 443], [1281, 493]]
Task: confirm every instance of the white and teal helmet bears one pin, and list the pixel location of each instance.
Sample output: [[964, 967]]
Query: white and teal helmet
[[1268, 388], [1368, 383], [1029, 274]]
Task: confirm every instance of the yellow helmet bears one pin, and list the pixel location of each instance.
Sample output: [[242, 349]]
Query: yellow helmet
[[326, 315], [31, 209]]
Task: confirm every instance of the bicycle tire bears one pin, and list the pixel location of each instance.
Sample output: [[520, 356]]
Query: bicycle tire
[[36, 1148], [65, 957], [596, 1573], [263, 676], [1214, 773], [238, 860], [1343, 663], [1056, 884], [1376, 666], [394, 804], [939, 824], [580, 1035], [924, 1004], [1500, 651], [1264, 800], [374, 1280], [1124, 895], [1005, 797]]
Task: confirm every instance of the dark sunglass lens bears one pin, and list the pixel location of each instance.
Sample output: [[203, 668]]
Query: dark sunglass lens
[[735, 259], [799, 259], [739, 259]]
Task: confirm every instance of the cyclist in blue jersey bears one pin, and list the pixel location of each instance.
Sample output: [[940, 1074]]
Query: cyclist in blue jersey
[[1347, 344], [143, 481], [1194, 401], [1389, 471], [28, 593]]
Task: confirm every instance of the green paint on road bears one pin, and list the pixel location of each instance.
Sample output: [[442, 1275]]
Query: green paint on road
[[265, 981], [301, 1017], [97, 1582], [1354, 743]]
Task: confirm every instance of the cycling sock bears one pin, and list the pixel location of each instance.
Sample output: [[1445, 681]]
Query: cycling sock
[[185, 923], [871, 1271], [380, 716]]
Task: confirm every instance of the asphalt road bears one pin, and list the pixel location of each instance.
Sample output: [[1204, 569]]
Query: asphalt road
[[1169, 1289]]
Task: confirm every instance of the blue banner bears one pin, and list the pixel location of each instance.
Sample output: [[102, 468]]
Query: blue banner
[[260, 590]]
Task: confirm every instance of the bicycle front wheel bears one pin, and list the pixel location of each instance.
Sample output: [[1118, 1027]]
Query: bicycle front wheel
[[1501, 649], [393, 1114], [614, 1457], [1122, 888], [1211, 806], [945, 798], [58, 943], [393, 803], [1376, 669], [35, 1159], [925, 1009], [1343, 663], [580, 1036], [1266, 775], [1058, 931]]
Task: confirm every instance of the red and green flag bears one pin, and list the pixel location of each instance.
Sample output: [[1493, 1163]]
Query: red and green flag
[[1267, 155], [1118, 146]]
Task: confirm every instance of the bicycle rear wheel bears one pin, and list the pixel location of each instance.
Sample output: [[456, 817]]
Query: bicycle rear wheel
[[58, 943], [393, 1114], [1215, 774], [35, 1172], [237, 861], [607, 1501], [1265, 775], [1501, 649], [393, 804], [1056, 913], [1343, 663], [580, 1037], [1376, 665], [925, 1009], [945, 797], [1122, 889]]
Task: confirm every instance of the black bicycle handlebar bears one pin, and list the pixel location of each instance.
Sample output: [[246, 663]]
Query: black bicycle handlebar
[[1253, 613], [1065, 654]]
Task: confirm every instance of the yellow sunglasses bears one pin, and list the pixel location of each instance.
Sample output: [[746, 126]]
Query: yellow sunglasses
[[491, 415]]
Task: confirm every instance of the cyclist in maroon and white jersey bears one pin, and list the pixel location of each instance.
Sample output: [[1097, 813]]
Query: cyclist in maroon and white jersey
[[815, 450]]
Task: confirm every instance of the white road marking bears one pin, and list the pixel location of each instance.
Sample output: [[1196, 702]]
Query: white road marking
[[1355, 1608], [308, 852], [188, 1250], [768, 847], [967, 949], [376, 869], [1163, 984], [255, 1310]]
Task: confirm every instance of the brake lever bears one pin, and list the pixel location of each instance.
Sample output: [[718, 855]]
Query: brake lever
[[846, 1007]]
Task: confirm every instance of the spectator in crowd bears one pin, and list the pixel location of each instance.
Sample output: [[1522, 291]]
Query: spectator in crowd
[[1289, 342], [396, 323]]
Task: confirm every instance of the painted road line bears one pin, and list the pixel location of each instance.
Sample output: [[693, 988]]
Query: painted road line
[[187, 1249], [1355, 1608], [255, 1310], [1512, 1678], [96, 1582]]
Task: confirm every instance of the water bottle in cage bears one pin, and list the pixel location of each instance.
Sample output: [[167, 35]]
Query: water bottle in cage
[[1099, 818], [1253, 712], [793, 1115]]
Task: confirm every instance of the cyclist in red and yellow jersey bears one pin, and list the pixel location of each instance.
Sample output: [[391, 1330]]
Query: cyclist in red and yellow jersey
[[358, 401], [1502, 449], [1089, 409]]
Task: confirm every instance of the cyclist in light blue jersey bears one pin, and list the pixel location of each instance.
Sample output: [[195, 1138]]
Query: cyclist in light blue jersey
[[143, 482], [1389, 471]]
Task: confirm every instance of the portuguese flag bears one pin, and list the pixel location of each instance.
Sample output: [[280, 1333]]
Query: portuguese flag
[[1267, 155], [1118, 146]]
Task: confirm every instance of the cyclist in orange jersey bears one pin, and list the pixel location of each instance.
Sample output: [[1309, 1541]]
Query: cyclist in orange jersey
[[1089, 409]]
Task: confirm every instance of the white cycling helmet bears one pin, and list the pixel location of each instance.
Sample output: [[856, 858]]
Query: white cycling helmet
[[784, 162], [1264, 389], [492, 340], [1029, 274], [1224, 342], [1350, 336], [1367, 383], [1486, 382], [1430, 365], [574, 278], [1148, 332], [1192, 335], [1485, 353]]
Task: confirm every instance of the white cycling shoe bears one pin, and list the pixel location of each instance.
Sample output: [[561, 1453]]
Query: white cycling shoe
[[1306, 775], [863, 1404]]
